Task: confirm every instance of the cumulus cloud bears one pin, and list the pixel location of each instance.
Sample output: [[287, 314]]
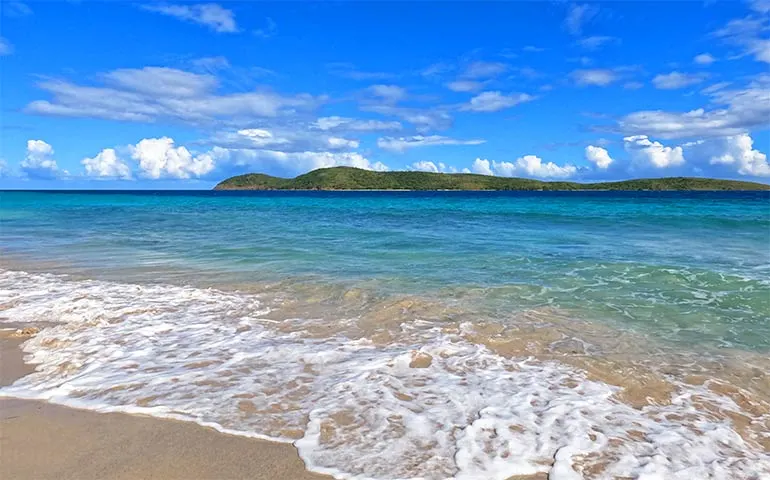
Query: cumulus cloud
[[402, 144], [427, 166], [336, 123], [482, 167], [596, 77], [528, 166], [578, 16], [646, 153], [676, 80], [744, 110], [152, 93], [211, 15], [39, 162], [106, 164], [495, 101], [704, 59], [733, 154], [159, 158], [465, 86], [289, 163], [598, 156]]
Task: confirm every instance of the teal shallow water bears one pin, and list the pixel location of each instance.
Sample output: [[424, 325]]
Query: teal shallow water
[[693, 268]]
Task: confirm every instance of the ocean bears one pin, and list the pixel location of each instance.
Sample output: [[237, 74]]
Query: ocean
[[468, 335]]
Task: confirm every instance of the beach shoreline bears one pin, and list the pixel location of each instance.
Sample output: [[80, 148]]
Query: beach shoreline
[[39, 440]]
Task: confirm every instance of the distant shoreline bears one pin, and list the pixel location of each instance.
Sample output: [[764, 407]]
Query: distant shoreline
[[586, 190], [358, 180]]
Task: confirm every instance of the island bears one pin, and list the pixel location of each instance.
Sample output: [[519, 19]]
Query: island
[[350, 178]]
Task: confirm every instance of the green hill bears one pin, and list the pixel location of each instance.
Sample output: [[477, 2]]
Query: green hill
[[348, 178]]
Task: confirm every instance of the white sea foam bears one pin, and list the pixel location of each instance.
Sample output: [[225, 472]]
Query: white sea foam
[[353, 408]]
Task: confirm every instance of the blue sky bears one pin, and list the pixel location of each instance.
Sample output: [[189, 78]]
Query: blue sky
[[182, 95]]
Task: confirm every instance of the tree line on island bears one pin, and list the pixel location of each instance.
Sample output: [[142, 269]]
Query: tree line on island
[[349, 178]]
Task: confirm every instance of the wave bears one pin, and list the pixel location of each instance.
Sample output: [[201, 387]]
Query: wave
[[401, 390]]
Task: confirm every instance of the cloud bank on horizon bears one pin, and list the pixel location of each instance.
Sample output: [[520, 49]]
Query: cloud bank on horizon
[[552, 91]]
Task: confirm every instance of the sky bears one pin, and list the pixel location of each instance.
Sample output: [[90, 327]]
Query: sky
[[182, 95]]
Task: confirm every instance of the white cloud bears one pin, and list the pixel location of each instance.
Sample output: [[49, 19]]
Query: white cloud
[[528, 165], [289, 163], [482, 167], [598, 156], [633, 85], [211, 15], [4, 170], [646, 153], [598, 77], [255, 138], [426, 166], [704, 59], [337, 143], [16, 9], [465, 86], [153, 93], [389, 93], [760, 6], [484, 69], [715, 88], [424, 120], [594, 42], [436, 69], [578, 16], [350, 124], [269, 31], [750, 34], [294, 138], [676, 80], [159, 158], [212, 64], [106, 164], [745, 109], [495, 101], [401, 144], [348, 70], [161, 81], [532, 49], [5, 47], [39, 162], [735, 153]]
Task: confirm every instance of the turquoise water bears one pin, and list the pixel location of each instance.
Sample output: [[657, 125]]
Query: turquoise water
[[693, 268], [473, 336]]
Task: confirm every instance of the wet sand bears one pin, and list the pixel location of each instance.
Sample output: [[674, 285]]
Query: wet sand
[[43, 441]]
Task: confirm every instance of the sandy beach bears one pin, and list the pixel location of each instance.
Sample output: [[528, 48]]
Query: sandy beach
[[41, 441]]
